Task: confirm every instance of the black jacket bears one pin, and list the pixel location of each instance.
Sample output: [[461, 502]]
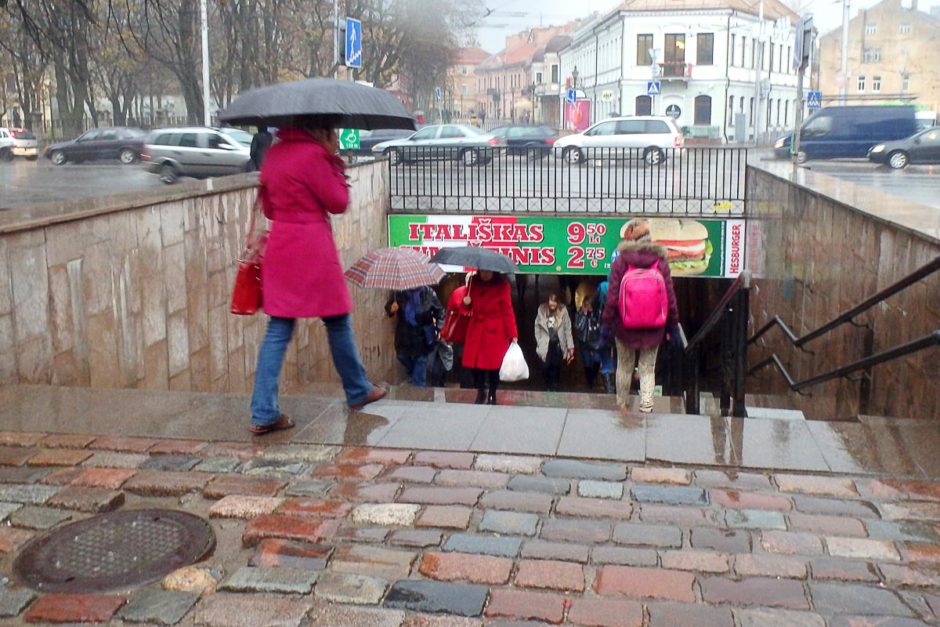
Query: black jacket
[[419, 340]]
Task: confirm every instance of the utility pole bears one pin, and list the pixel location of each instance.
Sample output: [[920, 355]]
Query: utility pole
[[206, 115], [844, 69], [335, 38], [758, 65]]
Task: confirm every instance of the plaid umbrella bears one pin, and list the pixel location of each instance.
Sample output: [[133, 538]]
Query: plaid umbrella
[[394, 269]]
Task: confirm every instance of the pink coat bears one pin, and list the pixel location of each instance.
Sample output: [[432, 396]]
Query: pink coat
[[303, 184]]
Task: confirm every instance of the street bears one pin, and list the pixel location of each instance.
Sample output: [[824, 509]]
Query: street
[[527, 183]]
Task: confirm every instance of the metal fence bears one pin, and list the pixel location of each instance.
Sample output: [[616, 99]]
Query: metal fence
[[698, 181]]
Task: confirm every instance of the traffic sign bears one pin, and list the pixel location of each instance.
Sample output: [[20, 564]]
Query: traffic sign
[[572, 95], [349, 139], [353, 43], [653, 88], [438, 94], [607, 95], [814, 99], [673, 111]]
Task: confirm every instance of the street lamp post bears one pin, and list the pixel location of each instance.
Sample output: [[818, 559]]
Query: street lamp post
[[206, 116], [574, 79], [844, 68]]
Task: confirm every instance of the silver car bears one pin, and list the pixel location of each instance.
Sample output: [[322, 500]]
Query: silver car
[[457, 142], [199, 152]]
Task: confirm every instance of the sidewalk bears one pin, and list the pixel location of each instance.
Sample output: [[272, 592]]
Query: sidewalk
[[829, 524]]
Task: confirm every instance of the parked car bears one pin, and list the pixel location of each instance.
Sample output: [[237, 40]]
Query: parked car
[[199, 152], [534, 142], [924, 147], [458, 142], [242, 137], [17, 142], [368, 139], [652, 137], [118, 142], [849, 132]]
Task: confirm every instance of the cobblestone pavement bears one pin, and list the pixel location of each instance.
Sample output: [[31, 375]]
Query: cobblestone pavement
[[332, 535]]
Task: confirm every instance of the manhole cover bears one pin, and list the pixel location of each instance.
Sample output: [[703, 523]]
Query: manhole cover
[[114, 551]]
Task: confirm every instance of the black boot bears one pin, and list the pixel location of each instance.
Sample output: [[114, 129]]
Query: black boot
[[491, 398], [481, 396], [590, 375], [610, 387]]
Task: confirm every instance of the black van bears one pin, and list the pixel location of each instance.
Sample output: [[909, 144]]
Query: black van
[[848, 132]]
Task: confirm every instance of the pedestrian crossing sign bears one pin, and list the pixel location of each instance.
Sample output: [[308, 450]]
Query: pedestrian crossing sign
[[814, 99], [653, 88]]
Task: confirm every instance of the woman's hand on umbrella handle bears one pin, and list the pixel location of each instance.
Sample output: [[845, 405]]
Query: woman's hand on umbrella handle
[[467, 300]]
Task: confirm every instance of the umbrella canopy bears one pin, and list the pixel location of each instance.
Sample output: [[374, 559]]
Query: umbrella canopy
[[475, 257], [342, 104], [394, 269]]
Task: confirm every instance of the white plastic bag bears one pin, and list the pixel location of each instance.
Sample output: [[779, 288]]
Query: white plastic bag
[[514, 367]]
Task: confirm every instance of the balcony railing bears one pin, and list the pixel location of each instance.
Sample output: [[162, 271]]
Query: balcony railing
[[676, 69]]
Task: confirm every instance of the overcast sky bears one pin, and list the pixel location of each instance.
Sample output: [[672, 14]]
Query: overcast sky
[[504, 20]]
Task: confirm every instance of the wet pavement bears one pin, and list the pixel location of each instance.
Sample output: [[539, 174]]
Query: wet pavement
[[440, 513]]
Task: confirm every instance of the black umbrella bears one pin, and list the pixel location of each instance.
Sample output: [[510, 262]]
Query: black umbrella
[[341, 104], [475, 257]]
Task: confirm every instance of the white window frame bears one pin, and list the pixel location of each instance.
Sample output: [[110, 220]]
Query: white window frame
[[876, 84], [860, 86]]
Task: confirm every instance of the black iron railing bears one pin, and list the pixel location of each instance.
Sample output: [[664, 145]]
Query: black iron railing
[[866, 363], [732, 314], [544, 178]]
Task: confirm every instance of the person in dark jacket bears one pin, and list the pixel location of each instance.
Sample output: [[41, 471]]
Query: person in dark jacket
[[419, 319], [595, 356], [259, 145], [637, 251]]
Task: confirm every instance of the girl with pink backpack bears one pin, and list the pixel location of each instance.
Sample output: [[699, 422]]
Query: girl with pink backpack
[[640, 307]]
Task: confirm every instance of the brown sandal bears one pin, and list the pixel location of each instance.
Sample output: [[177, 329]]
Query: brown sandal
[[282, 423]]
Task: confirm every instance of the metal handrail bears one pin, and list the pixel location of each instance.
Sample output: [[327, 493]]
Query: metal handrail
[[743, 281], [933, 339], [852, 313]]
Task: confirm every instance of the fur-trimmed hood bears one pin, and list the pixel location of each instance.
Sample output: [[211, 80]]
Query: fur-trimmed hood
[[644, 246]]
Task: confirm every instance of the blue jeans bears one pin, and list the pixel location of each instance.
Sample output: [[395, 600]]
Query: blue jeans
[[600, 358], [417, 367], [265, 409]]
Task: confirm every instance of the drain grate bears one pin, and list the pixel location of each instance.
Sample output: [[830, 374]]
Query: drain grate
[[114, 551]]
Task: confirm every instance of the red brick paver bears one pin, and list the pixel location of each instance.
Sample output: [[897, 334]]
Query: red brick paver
[[463, 567], [641, 583], [550, 575], [519, 605], [288, 528], [606, 613], [74, 608]]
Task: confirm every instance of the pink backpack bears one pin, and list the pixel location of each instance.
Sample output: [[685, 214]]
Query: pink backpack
[[643, 300]]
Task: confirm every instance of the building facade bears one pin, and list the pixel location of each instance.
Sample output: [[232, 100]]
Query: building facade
[[463, 98], [893, 50], [713, 65]]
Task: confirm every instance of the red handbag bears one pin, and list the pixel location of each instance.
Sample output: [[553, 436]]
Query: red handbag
[[455, 327], [246, 294]]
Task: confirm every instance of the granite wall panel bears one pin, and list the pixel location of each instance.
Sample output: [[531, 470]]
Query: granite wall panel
[[139, 296], [821, 258]]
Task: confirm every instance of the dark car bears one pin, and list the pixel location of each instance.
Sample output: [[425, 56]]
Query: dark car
[[534, 142], [924, 147], [849, 132], [368, 139], [118, 142]]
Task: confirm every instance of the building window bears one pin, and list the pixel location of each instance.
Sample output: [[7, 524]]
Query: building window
[[644, 105], [871, 29], [464, 90], [743, 51], [789, 60], [904, 29], [905, 82], [705, 49], [644, 44], [872, 55], [786, 112], [554, 73], [733, 49], [771, 65], [465, 70], [538, 78], [730, 110], [754, 53], [861, 83], [703, 110], [876, 83], [674, 56], [751, 110]]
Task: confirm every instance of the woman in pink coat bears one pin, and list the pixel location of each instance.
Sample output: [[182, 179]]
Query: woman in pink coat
[[303, 183]]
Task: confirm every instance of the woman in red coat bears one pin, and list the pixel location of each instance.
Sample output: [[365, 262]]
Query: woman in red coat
[[303, 183], [492, 328]]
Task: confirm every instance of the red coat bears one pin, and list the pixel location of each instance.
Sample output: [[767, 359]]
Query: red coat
[[301, 275], [492, 326]]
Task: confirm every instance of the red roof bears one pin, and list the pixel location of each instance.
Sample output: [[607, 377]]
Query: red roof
[[471, 56]]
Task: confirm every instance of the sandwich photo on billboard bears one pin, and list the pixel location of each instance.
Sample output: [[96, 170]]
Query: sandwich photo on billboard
[[686, 241]]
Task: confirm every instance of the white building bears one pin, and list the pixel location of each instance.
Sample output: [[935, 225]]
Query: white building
[[704, 54]]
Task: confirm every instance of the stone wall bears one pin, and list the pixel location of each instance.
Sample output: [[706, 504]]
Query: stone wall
[[827, 246], [135, 292]]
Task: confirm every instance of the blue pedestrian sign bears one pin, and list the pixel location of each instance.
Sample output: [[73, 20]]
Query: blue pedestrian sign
[[814, 99], [653, 88], [572, 96], [353, 43], [438, 94]]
